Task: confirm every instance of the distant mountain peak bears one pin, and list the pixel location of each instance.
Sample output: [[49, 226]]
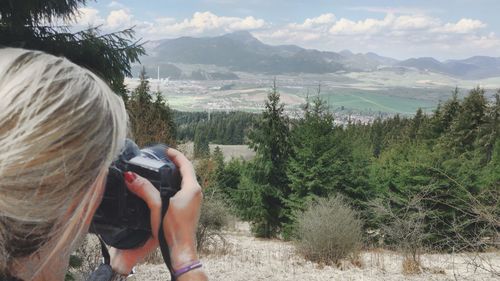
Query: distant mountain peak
[[242, 36], [346, 53]]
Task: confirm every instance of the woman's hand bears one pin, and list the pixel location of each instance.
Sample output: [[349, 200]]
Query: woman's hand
[[179, 224], [181, 220], [122, 261]]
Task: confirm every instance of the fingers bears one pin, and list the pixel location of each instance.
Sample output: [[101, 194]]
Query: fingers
[[186, 169], [147, 192], [181, 161]]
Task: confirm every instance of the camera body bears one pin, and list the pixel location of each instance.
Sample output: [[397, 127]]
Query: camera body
[[123, 219]]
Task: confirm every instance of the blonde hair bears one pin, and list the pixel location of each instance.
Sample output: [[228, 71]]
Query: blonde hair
[[60, 128]]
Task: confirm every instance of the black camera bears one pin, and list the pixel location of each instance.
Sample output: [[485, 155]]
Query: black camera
[[123, 219]]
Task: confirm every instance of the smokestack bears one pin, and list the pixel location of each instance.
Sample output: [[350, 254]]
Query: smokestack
[[158, 81]]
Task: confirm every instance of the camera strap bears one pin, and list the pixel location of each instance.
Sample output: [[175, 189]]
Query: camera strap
[[165, 194]]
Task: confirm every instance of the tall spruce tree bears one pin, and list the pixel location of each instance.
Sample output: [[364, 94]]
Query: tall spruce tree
[[489, 132], [201, 146], [314, 162], [322, 162], [465, 128], [264, 186], [150, 117]]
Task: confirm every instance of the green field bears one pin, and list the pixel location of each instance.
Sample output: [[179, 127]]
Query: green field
[[377, 101]]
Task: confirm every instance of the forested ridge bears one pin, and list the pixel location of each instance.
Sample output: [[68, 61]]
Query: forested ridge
[[439, 171], [216, 127], [436, 174]]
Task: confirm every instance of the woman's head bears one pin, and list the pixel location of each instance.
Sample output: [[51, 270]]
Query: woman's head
[[60, 127]]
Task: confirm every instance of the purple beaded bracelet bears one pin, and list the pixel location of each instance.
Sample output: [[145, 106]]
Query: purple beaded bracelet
[[182, 270]]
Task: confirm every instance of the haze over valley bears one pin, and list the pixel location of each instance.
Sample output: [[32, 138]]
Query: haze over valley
[[235, 72]]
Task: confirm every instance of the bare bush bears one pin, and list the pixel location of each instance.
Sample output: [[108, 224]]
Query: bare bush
[[411, 265], [404, 228], [484, 209], [328, 231], [215, 215]]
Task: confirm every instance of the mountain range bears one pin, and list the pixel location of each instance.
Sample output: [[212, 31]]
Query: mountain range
[[241, 51]]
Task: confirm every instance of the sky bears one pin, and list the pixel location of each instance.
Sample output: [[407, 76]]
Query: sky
[[400, 29]]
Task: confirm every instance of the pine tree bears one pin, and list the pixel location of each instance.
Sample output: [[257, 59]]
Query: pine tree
[[31, 24], [377, 137], [264, 185], [201, 147], [314, 162], [218, 157], [465, 128], [151, 120], [416, 125], [450, 110], [490, 131]]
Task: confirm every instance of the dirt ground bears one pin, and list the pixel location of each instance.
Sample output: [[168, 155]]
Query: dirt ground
[[229, 151], [249, 259]]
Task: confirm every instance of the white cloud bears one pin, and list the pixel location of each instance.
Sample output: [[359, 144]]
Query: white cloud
[[367, 26], [247, 23], [463, 26], [400, 35], [321, 20], [119, 19], [412, 22], [87, 17], [205, 23]]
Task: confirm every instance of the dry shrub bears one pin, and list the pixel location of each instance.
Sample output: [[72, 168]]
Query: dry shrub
[[215, 216], [328, 231], [411, 265], [377, 258], [404, 228]]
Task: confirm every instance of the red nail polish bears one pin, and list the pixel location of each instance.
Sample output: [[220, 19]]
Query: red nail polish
[[130, 176]]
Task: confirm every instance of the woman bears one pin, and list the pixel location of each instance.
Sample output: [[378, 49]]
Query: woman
[[60, 128]]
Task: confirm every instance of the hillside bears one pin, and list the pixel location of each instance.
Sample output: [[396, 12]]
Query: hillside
[[252, 259], [241, 51]]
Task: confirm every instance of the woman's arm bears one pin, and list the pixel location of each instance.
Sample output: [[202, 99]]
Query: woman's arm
[[179, 224], [181, 220]]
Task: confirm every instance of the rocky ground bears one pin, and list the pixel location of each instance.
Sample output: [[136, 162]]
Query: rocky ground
[[246, 258]]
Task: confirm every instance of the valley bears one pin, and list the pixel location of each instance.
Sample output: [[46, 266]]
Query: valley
[[235, 71], [360, 96]]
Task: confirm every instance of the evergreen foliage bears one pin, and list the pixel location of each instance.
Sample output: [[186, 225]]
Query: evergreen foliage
[[150, 117], [444, 163], [321, 163], [33, 25], [219, 127], [263, 187], [448, 160]]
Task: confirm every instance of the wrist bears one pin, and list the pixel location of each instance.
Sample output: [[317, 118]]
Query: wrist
[[197, 274], [182, 255]]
